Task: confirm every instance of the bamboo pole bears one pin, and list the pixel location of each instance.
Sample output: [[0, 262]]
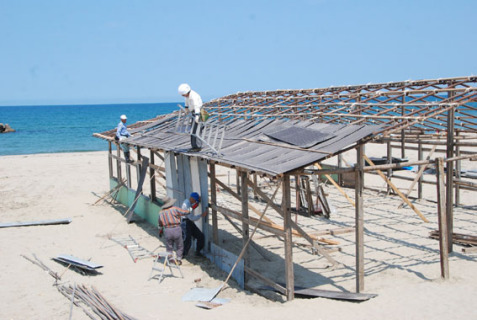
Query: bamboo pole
[[403, 197], [330, 179]]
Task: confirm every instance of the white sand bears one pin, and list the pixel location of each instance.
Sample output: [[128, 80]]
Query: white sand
[[401, 262]]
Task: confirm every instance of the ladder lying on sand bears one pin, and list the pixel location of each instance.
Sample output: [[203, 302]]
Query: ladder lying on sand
[[161, 262], [135, 250]]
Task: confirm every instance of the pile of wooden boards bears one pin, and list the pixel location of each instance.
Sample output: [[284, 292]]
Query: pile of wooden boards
[[458, 238]]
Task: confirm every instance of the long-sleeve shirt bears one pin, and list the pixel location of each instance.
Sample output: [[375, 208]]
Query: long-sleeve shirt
[[122, 130], [194, 102], [171, 217], [187, 206]]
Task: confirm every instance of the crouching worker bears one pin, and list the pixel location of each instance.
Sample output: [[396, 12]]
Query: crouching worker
[[121, 134], [170, 225], [189, 228]]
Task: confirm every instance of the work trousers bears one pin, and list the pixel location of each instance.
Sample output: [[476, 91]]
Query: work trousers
[[190, 230], [174, 240], [194, 142]]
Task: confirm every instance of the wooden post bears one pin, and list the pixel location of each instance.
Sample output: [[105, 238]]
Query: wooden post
[[110, 160], [118, 162], [419, 184], [340, 164], [441, 210], [152, 173], [359, 218], [213, 198], [290, 280], [237, 179], [458, 168], [139, 165], [255, 196], [450, 176], [297, 194], [245, 226], [403, 132], [389, 152]]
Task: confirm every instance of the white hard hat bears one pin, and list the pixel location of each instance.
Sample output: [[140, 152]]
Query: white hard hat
[[123, 117], [183, 89]]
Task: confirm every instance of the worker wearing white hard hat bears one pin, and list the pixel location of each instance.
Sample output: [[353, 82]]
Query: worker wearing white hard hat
[[121, 134], [194, 102]]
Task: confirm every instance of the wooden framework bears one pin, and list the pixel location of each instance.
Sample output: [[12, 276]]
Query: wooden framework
[[411, 115]]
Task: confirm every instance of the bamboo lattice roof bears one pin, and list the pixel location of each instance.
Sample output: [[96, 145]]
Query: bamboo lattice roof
[[352, 114]]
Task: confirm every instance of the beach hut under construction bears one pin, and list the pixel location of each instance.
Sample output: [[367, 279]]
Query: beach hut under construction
[[284, 136]]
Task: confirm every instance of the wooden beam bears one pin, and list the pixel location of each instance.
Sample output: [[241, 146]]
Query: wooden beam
[[403, 197], [359, 219], [213, 199], [295, 226], [330, 179], [238, 197], [418, 176], [289, 275], [442, 221], [245, 229], [265, 280]]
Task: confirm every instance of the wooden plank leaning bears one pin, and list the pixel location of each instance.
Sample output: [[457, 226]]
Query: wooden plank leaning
[[403, 197], [336, 185], [419, 174], [293, 224]]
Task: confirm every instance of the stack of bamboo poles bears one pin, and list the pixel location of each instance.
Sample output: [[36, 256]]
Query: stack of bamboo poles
[[94, 300]]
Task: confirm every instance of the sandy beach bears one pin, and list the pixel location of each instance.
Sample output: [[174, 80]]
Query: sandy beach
[[401, 261]]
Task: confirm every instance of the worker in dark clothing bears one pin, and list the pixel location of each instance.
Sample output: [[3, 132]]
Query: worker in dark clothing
[[189, 228]]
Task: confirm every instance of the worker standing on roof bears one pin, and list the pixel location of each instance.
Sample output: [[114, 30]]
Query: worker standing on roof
[[189, 228], [121, 134], [194, 102]]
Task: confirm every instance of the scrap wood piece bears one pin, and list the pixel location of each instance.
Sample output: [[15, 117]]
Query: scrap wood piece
[[142, 177], [330, 179], [330, 294], [35, 223], [419, 174], [94, 300], [77, 263], [459, 238], [110, 192], [39, 263], [400, 194]]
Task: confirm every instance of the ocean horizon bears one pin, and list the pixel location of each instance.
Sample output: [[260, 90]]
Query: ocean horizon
[[68, 128]]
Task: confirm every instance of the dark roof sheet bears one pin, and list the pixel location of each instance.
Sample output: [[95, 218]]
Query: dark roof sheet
[[247, 145]]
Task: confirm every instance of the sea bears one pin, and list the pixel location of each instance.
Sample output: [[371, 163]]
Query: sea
[[68, 128]]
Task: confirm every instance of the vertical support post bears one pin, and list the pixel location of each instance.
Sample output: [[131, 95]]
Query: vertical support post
[[213, 198], [255, 195], [403, 132], [340, 164], [290, 280], [110, 160], [245, 226], [118, 162], [237, 183], [389, 153], [450, 176], [458, 168], [419, 183], [139, 166], [152, 173], [359, 219], [441, 209], [297, 193]]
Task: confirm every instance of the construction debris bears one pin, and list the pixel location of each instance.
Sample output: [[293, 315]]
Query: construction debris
[[78, 263], [458, 238], [94, 300], [135, 250], [34, 223]]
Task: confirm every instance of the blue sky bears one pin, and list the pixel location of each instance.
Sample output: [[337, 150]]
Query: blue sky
[[118, 51]]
